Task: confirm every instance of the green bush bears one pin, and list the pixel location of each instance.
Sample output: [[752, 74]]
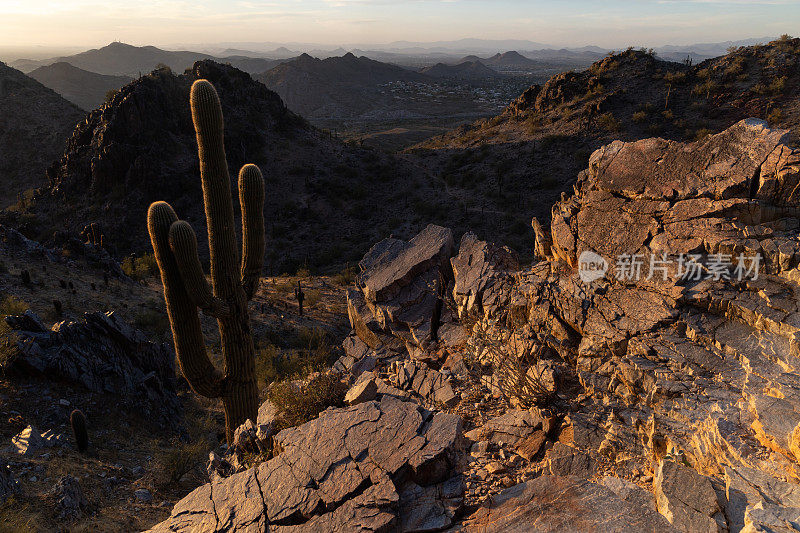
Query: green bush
[[141, 267], [298, 404]]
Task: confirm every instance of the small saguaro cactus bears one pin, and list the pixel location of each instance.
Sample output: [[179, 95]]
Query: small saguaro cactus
[[78, 422], [300, 295], [233, 282]]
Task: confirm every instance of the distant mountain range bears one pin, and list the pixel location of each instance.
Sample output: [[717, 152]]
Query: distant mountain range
[[120, 59], [85, 89]]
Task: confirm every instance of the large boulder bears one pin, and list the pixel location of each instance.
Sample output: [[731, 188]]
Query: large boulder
[[400, 288], [365, 467], [483, 274]]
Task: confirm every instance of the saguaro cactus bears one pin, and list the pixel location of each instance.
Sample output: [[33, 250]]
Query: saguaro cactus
[[233, 282]]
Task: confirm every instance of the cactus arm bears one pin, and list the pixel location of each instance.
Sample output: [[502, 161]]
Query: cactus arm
[[183, 243], [223, 247], [251, 200], [187, 334]]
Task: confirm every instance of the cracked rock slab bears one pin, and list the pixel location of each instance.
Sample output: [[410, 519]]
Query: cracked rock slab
[[336, 473]]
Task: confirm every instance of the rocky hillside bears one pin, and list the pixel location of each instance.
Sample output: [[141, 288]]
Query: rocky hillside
[[335, 87], [85, 89], [326, 201], [34, 123], [575, 394], [468, 70], [544, 138]]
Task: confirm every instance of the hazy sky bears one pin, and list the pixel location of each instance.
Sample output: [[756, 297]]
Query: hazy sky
[[608, 23]]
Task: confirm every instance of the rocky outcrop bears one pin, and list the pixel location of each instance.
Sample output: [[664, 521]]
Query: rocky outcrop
[[687, 361], [68, 499], [375, 466], [103, 354], [401, 284], [673, 401], [554, 503], [29, 442]]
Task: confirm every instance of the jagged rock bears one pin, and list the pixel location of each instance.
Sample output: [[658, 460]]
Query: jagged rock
[[103, 354], [143, 495], [401, 284], [430, 508], [29, 441], [686, 498], [510, 428], [555, 504], [218, 467], [563, 460], [364, 391], [630, 492], [528, 447], [335, 473], [426, 383], [770, 518], [8, 485], [68, 498], [747, 487], [483, 274]]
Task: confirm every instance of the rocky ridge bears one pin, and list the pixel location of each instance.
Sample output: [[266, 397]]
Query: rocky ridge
[[671, 402], [140, 147]]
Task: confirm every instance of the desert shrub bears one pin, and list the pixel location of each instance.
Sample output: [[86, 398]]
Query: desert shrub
[[639, 116], [668, 114], [178, 460], [498, 348], [775, 117], [702, 133], [675, 77], [110, 94], [140, 267], [9, 350], [346, 277], [153, 321], [609, 122], [298, 403], [313, 297], [11, 305]]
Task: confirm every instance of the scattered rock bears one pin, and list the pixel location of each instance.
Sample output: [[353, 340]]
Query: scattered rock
[[143, 495], [104, 354], [29, 441], [363, 391], [67, 495]]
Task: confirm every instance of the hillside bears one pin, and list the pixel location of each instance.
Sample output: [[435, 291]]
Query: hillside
[[120, 59], [468, 70], [336, 87], [544, 138], [326, 201], [85, 89], [34, 123]]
